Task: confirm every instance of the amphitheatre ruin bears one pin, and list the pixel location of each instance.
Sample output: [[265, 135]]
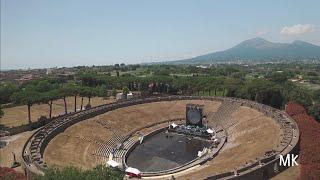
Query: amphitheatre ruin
[[250, 137]]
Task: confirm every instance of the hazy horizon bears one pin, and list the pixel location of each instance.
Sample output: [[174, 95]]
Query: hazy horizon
[[44, 34]]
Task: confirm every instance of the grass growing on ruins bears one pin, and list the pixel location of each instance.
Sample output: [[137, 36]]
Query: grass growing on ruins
[[73, 173]]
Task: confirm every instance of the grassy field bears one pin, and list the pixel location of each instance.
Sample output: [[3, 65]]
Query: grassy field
[[18, 115]]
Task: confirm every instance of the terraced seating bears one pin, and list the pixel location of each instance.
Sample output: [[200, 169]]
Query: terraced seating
[[120, 153], [106, 148], [223, 114]]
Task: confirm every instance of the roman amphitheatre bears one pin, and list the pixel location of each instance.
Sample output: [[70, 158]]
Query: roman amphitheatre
[[249, 137]]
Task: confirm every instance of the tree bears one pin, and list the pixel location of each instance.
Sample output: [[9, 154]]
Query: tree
[[270, 96], [232, 85], [44, 86], [314, 110], [217, 85], [64, 92], [125, 90], [255, 89], [209, 85], [114, 92], [6, 91], [297, 94], [162, 72], [45, 99], [181, 84], [82, 93], [74, 90], [88, 79], [27, 97], [89, 93], [1, 112], [316, 95], [48, 97], [277, 99], [279, 77], [101, 91]]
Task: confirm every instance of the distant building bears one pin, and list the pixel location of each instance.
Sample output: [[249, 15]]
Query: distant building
[[120, 96], [299, 78], [49, 71], [203, 66], [26, 78], [129, 96]]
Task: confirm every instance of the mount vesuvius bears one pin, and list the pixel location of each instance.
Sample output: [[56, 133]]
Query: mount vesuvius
[[258, 50]]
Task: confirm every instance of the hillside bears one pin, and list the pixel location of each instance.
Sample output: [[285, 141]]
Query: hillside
[[258, 49]]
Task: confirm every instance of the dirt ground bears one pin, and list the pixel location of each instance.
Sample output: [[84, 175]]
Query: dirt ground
[[18, 115], [70, 148], [15, 145], [292, 173]]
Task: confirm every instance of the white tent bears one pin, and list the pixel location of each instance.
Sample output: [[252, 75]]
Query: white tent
[[112, 163], [111, 156], [120, 96], [199, 153], [210, 131], [173, 125], [133, 171], [141, 139], [204, 151], [129, 96]]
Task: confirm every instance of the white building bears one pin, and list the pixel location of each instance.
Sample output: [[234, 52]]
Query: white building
[[120, 96]]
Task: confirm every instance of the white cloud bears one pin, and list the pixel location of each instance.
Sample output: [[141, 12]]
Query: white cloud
[[298, 29]]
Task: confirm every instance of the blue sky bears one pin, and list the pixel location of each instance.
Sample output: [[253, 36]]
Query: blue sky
[[46, 33]]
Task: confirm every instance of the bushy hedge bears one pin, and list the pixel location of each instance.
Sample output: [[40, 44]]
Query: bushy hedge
[[72, 173], [309, 141], [10, 174]]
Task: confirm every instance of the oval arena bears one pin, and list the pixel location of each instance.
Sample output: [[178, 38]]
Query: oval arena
[[248, 139]]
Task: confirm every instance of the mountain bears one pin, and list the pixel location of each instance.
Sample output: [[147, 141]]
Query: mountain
[[258, 50]]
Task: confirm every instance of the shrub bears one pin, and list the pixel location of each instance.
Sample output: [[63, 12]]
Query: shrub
[[10, 174], [309, 141]]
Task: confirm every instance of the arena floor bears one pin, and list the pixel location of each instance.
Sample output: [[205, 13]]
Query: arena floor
[[251, 136]]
